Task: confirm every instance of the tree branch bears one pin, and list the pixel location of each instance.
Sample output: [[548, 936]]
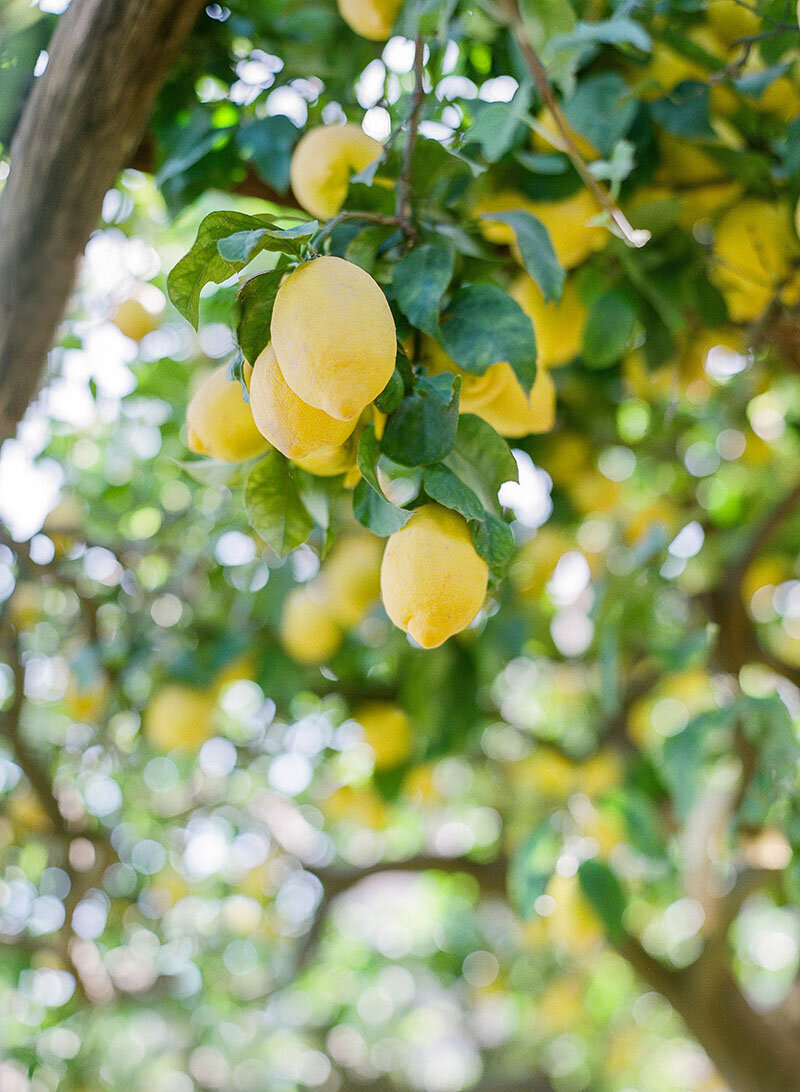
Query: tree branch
[[403, 207], [635, 237], [80, 125]]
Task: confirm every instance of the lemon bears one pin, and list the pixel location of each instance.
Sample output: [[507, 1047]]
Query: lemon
[[290, 424], [219, 423], [87, 703], [370, 18], [351, 577], [476, 390], [387, 730], [134, 320], [322, 163], [549, 137], [558, 326], [334, 336], [731, 20], [751, 253], [433, 582], [328, 462], [573, 237], [179, 717], [309, 632], [512, 413], [573, 923]]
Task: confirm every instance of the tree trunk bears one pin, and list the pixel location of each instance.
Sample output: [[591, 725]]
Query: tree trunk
[[81, 124], [750, 1051]]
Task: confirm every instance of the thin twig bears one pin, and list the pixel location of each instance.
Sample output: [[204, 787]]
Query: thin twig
[[403, 206], [635, 237]]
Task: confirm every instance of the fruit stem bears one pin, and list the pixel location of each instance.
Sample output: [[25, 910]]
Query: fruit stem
[[634, 237]]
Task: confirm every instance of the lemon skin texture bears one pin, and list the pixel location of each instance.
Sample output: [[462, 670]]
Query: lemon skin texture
[[371, 19], [433, 582], [290, 424], [334, 336], [322, 163], [387, 730], [220, 423], [179, 718]]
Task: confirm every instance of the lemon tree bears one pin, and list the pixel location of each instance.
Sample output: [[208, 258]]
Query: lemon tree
[[399, 667]]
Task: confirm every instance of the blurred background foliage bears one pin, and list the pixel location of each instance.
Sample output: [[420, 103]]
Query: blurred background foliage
[[246, 846]]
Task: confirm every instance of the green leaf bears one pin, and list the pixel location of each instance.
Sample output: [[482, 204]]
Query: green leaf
[[370, 507], [235, 373], [392, 394], [494, 541], [419, 281], [268, 144], [617, 31], [532, 867], [498, 127], [482, 326], [686, 111], [241, 247], [422, 430], [255, 302], [545, 18], [441, 485], [481, 459], [538, 256], [204, 263], [602, 110], [273, 504], [605, 894], [609, 329]]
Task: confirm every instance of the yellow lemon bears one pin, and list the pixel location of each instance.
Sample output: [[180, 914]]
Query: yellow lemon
[[329, 462], [372, 19], [476, 390], [558, 326], [536, 560], [512, 413], [387, 730], [547, 772], [240, 667], [351, 577], [334, 336], [290, 424], [502, 201], [433, 582], [322, 163], [309, 632], [573, 923], [219, 423], [25, 608], [134, 320], [179, 717], [751, 250], [549, 138], [731, 20], [573, 237], [24, 810], [87, 703], [362, 806]]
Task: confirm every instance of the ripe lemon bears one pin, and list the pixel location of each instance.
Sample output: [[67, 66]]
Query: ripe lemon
[[476, 390], [549, 138], [387, 730], [309, 632], [219, 423], [351, 576], [134, 320], [334, 336], [87, 703], [731, 20], [328, 462], [322, 163], [370, 18], [558, 326], [289, 423], [512, 413], [573, 237], [433, 582], [179, 717], [573, 923], [751, 256]]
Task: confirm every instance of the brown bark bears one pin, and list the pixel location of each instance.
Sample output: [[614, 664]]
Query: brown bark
[[83, 121]]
